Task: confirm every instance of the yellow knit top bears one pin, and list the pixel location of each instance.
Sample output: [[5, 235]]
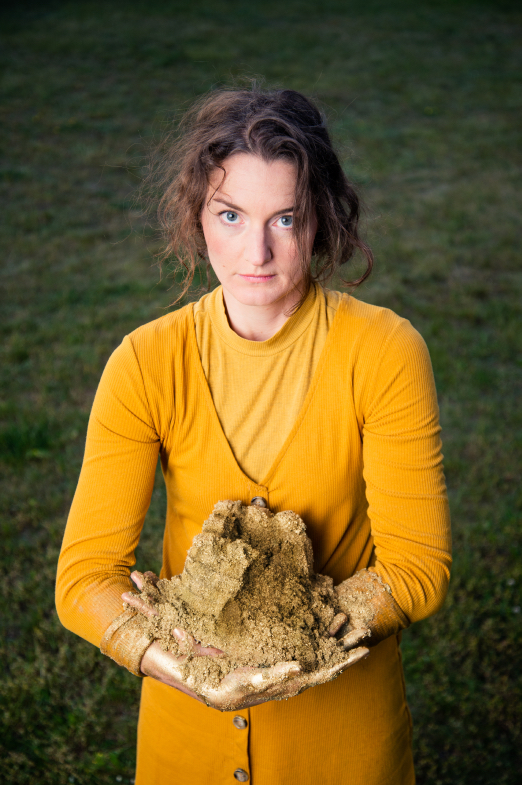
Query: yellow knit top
[[258, 387]]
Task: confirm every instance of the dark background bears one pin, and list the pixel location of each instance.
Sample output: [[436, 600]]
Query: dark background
[[423, 101]]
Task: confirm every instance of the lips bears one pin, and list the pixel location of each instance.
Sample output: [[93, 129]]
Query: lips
[[257, 278]]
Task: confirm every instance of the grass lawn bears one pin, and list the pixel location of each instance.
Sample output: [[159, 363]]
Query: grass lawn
[[423, 100]]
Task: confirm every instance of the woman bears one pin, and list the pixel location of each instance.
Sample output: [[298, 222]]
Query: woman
[[275, 391]]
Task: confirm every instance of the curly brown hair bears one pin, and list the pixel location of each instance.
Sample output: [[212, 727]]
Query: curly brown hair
[[273, 124]]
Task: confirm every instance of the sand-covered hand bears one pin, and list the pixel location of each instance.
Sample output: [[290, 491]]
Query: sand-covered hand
[[367, 602]]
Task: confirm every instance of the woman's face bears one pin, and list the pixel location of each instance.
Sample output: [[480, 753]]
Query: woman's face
[[248, 231]]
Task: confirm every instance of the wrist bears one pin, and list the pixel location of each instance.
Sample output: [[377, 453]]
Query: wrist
[[125, 642], [165, 667]]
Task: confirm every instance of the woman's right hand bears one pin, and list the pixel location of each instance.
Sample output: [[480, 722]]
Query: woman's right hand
[[239, 689], [243, 687], [157, 663]]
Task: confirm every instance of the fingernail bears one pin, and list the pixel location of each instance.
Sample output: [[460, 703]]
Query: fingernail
[[337, 622]]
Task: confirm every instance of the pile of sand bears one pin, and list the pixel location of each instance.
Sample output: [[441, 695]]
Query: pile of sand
[[247, 588]]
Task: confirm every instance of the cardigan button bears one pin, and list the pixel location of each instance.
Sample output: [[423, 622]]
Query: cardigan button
[[240, 722], [241, 775], [259, 502]]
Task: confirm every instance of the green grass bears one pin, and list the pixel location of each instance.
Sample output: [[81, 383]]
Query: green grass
[[423, 99]]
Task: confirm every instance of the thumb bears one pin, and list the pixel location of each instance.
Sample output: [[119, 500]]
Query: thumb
[[354, 637]]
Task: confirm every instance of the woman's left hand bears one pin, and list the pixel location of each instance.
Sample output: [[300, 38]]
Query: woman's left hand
[[367, 606], [246, 687]]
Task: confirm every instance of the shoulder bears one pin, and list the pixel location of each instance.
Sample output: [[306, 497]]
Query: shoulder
[[171, 324], [142, 371], [377, 346], [384, 355], [373, 327], [363, 317], [162, 335], [149, 351]]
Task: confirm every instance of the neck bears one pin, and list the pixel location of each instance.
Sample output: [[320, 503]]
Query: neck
[[259, 322]]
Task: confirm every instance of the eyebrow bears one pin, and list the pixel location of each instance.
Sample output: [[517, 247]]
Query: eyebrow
[[240, 209]]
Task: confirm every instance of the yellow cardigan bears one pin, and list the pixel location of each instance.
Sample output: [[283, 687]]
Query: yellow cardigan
[[361, 465]]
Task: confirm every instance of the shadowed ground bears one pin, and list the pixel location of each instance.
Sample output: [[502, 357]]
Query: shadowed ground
[[424, 102]]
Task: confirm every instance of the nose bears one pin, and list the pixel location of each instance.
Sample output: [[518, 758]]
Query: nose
[[257, 247]]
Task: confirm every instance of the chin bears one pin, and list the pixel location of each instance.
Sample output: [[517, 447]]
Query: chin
[[258, 295], [261, 293]]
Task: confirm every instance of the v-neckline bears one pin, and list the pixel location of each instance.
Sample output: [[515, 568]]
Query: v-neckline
[[300, 417]]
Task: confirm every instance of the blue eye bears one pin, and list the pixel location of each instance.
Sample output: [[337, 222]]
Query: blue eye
[[230, 217], [287, 221]]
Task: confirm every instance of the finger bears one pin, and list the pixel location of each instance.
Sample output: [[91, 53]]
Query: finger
[[137, 577], [259, 680], [337, 623], [306, 680], [140, 605], [246, 687], [354, 637], [151, 577], [284, 670], [294, 683], [187, 643], [354, 655], [191, 644], [327, 674], [206, 651], [182, 635]]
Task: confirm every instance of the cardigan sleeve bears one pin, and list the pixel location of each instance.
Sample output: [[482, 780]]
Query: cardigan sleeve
[[111, 501], [405, 486]]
